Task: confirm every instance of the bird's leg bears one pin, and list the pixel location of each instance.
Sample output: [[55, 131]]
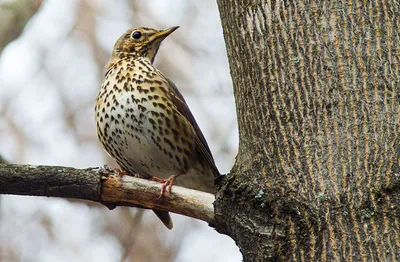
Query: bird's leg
[[159, 180], [167, 183], [121, 171], [126, 173]]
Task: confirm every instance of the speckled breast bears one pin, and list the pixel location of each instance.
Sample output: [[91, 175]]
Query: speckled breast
[[137, 123]]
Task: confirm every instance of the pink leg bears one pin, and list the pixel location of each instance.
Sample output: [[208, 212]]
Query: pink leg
[[167, 183], [121, 171]]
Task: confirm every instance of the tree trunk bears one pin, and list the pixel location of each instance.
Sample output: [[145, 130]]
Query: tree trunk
[[317, 177]]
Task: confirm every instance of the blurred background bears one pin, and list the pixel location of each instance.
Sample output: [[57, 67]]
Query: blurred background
[[49, 78]]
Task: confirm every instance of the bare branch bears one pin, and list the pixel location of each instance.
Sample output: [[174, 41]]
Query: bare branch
[[13, 17], [2, 160], [104, 186]]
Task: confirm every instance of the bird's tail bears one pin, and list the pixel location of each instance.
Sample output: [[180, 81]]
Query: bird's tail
[[165, 218]]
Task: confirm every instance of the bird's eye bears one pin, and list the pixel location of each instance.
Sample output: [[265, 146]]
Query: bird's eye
[[136, 35]]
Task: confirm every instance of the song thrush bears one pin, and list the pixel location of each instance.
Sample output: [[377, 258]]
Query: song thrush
[[144, 123]]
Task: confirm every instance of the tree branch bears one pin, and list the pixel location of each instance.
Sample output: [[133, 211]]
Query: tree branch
[[104, 186], [13, 17], [3, 161]]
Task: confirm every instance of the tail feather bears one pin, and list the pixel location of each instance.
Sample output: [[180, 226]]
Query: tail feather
[[165, 218]]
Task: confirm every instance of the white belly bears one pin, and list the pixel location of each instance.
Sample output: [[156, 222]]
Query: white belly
[[131, 134], [138, 125]]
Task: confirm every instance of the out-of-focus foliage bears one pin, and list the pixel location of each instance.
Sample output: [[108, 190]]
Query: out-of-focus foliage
[[49, 78]]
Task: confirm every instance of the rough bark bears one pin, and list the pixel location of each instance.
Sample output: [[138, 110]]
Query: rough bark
[[104, 186], [317, 93]]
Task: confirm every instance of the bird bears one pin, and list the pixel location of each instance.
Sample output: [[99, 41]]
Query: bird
[[144, 122]]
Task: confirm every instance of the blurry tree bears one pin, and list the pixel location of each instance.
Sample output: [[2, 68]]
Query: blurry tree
[[14, 15], [317, 88], [46, 117], [318, 103]]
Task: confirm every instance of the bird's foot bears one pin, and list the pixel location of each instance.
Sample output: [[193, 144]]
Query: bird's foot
[[121, 171], [167, 184]]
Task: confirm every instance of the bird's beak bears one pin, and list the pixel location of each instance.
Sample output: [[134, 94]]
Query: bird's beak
[[164, 33]]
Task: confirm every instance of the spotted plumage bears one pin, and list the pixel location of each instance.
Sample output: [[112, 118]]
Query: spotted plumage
[[143, 121]]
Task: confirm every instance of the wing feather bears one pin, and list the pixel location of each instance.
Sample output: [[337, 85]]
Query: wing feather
[[201, 143]]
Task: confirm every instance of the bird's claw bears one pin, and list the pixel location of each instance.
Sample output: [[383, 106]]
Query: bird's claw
[[167, 184], [121, 171]]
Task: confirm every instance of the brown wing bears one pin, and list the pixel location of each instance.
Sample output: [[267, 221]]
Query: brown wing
[[201, 143]]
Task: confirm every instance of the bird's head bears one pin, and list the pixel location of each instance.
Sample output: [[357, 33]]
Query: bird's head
[[140, 42]]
